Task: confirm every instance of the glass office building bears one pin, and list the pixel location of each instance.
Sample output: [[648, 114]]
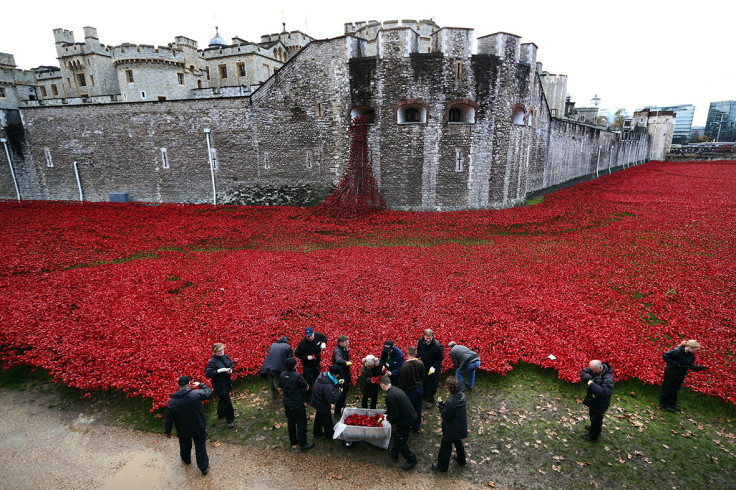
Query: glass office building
[[721, 123], [683, 121]]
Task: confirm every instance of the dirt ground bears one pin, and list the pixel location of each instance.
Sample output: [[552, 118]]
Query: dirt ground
[[42, 447]]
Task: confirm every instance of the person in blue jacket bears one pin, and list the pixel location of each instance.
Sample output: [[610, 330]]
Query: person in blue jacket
[[391, 361]]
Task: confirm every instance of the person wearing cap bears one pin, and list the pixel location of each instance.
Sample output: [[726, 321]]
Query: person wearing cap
[[273, 364], [431, 352], [219, 369], [185, 411], [371, 370], [328, 389], [309, 352], [391, 361], [341, 357], [292, 386], [465, 361]]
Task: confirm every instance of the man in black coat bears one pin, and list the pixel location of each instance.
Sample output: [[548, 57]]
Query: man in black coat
[[454, 426], [411, 376], [292, 385], [309, 352], [341, 357], [273, 364], [431, 352], [402, 415], [599, 377], [327, 390], [185, 411]]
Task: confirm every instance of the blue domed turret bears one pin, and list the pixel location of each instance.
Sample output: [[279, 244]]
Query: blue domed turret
[[217, 41]]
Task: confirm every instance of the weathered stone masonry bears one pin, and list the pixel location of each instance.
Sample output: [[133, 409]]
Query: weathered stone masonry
[[452, 130]]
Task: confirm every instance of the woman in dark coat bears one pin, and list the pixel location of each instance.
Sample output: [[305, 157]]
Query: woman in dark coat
[[219, 370], [454, 426], [679, 360], [371, 370]]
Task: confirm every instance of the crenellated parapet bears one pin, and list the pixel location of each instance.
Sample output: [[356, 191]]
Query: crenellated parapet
[[145, 53]]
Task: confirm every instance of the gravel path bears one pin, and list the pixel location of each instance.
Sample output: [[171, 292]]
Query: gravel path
[[42, 448]]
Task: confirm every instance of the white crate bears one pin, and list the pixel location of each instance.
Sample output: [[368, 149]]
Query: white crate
[[378, 436]]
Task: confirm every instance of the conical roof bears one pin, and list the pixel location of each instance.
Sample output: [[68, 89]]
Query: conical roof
[[217, 40]]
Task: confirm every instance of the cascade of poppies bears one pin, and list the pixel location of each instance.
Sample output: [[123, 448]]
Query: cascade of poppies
[[357, 195]]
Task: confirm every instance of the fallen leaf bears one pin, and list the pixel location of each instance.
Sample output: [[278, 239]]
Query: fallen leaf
[[217, 444], [491, 484], [665, 446]]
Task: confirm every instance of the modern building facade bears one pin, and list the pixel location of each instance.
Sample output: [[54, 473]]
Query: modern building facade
[[721, 122]]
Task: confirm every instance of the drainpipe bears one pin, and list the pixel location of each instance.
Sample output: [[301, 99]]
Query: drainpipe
[[212, 166], [597, 163], [79, 183], [4, 141]]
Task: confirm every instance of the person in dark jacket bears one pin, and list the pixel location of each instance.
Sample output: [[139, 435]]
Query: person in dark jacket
[[341, 357], [309, 352], [411, 376], [465, 361], [292, 385], [273, 364], [219, 369], [679, 361], [391, 361], [186, 413], [454, 426], [402, 416], [327, 390], [431, 352], [599, 377], [371, 370]]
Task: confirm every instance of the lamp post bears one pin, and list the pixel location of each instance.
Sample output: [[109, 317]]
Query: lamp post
[[4, 141], [207, 132]]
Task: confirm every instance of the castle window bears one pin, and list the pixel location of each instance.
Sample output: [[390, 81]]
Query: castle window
[[241, 69], [164, 158], [411, 114], [54, 90], [518, 116], [320, 110], [458, 70], [223, 71], [161, 98], [362, 111], [129, 75], [49, 160], [69, 82], [2, 92], [459, 160], [309, 159], [268, 70], [143, 94], [43, 91], [266, 163], [461, 113], [199, 83], [92, 80], [191, 69], [180, 78], [207, 72], [81, 80]]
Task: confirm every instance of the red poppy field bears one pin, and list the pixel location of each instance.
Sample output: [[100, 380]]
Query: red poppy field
[[131, 296]]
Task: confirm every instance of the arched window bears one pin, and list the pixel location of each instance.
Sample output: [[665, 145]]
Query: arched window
[[518, 116], [364, 110], [461, 112], [411, 114]]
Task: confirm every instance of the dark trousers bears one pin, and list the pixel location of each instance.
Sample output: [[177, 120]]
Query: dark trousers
[[273, 383], [310, 375], [415, 397], [296, 418], [200, 450], [671, 384], [340, 403], [443, 460], [225, 407], [370, 392], [431, 382], [401, 444], [323, 425], [596, 423]]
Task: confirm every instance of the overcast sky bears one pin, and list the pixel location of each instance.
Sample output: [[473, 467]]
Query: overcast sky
[[630, 53]]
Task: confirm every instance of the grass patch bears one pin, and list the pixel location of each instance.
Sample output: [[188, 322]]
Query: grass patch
[[525, 431]]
